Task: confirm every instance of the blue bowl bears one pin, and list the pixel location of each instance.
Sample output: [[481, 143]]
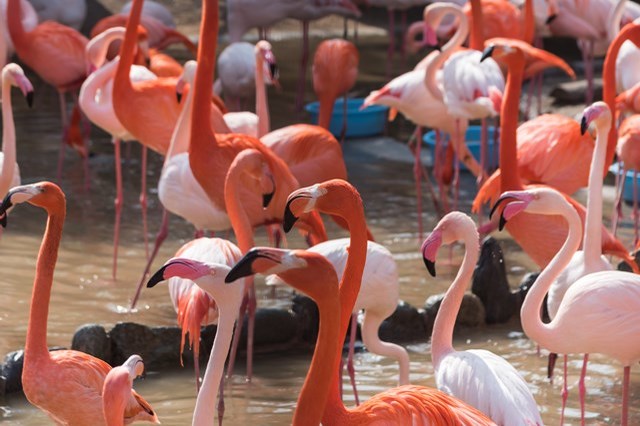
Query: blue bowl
[[368, 122], [473, 140], [627, 192]]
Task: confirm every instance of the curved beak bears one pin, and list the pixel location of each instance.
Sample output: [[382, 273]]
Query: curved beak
[[266, 198], [551, 18], [179, 89], [289, 218], [429, 250], [26, 88], [157, 277], [584, 125], [487, 53], [244, 267]]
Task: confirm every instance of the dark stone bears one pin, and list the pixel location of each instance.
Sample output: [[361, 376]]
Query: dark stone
[[273, 327], [93, 340], [12, 369], [158, 346], [3, 385], [624, 266], [573, 92], [491, 286], [307, 318], [404, 325], [523, 289], [95, 12], [471, 312]]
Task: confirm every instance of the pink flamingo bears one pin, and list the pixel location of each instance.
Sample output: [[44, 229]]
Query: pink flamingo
[[117, 390], [96, 101], [29, 21], [478, 377], [77, 399], [599, 313], [628, 151]]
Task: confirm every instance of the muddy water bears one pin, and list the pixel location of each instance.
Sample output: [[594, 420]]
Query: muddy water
[[84, 291]]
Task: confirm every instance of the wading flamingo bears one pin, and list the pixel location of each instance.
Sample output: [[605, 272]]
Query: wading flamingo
[[12, 75], [312, 274], [600, 313], [117, 389], [55, 52], [539, 236], [96, 101], [77, 399], [476, 376], [208, 277], [338, 197]]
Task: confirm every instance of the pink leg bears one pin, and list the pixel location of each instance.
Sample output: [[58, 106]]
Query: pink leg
[[625, 396], [118, 205], [551, 365], [221, 402], [196, 369], [565, 390], [63, 115], [352, 342], [162, 235], [635, 207], [251, 312], [198, 234], [143, 200], [456, 169], [392, 42], [617, 205], [581, 388], [304, 61], [483, 151], [238, 331]]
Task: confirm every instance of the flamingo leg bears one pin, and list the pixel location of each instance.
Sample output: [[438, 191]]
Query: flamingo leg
[[617, 205], [551, 365], [565, 390], [196, 369], [162, 235], [221, 402], [484, 142], [635, 207], [117, 204], [244, 306], [304, 62], [625, 395], [581, 388], [456, 169], [251, 312], [63, 115], [143, 200], [350, 369]]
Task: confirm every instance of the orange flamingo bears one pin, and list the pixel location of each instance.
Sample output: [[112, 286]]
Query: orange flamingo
[[550, 232], [117, 391], [628, 151], [66, 384], [319, 399], [499, 18], [55, 52]]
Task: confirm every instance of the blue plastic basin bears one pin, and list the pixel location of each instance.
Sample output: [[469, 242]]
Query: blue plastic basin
[[472, 138], [368, 122], [627, 191]]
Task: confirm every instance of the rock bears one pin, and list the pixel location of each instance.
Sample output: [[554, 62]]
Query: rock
[[3, 385], [12, 369], [624, 266], [404, 325], [471, 313], [490, 284], [307, 318], [573, 92], [158, 346], [93, 340], [273, 327], [523, 289]]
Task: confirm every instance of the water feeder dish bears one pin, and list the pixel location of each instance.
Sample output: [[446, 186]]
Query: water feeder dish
[[472, 139], [368, 122]]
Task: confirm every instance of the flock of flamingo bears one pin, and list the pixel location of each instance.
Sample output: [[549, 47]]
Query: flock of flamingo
[[229, 170]]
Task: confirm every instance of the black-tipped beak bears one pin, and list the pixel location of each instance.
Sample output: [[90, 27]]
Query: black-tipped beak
[[157, 277], [3, 220], [266, 199], [487, 53], [274, 71], [29, 98], [551, 18], [289, 218], [583, 125], [431, 266], [6, 205], [179, 96], [503, 221], [244, 267]]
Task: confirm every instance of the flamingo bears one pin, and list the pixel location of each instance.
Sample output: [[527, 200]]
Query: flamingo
[[476, 376], [378, 297], [628, 152], [117, 390], [29, 21], [71, 13], [600, 311], [12, 75], [539, 236], [208, 277], [55, 52], [96, 101], [77, 398]]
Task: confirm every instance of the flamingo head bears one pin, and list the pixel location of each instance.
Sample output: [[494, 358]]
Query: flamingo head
[[15, 75], [42, 194], [452, 227], [552, 11], [598, 113], [190, 269], [271, 71], [499, 51], [135, 366], [265, 260], [541, 200], [255, 171], [187, 78]]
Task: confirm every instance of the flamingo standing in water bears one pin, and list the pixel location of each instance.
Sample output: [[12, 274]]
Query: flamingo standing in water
[[539, 236], [478, 377], [600, 313], [76, 399], [55, 52], [117, 390]]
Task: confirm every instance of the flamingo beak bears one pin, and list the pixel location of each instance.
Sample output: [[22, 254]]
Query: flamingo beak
[[266, 198], [584, 125], [429, 249], [244, 267], [551, 18], [503, 221], [157, 277], [487, 53]]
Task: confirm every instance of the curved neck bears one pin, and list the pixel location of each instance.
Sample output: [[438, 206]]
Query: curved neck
[[122, 82], [529, 24], [240, 221], [14, 22], [204, 412], [509, 177], [442, 336], [476, 38], [98, 47], [262, 106], [36, 345], [114, 406], [8, 138], [327, 101], [629, 32], [592, 244], [181, 135], [614, 19], [532, 324]]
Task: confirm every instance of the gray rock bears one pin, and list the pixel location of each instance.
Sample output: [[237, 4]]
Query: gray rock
[[624, 266], [471, 313], [3, 385], [573, 92], [273, 327], [307, 318], [92, 339], [523, 289], [404, 325], [158, 346], [12, 370]]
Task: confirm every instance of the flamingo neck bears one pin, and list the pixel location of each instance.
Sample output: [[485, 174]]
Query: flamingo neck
[[8, 138], [204, 412], [532, 324], [262, 106], [615, 17], [98, 81], [114, 405], [122, 82], [327, 102], [629, 32], [476, 37], [442, 336], [36, 344], [592, 245], [529, 25], [509, 177], [238, 216], [181, 135], [14, 22]]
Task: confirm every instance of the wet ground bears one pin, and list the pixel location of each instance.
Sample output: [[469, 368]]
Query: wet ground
[[381, 170]]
